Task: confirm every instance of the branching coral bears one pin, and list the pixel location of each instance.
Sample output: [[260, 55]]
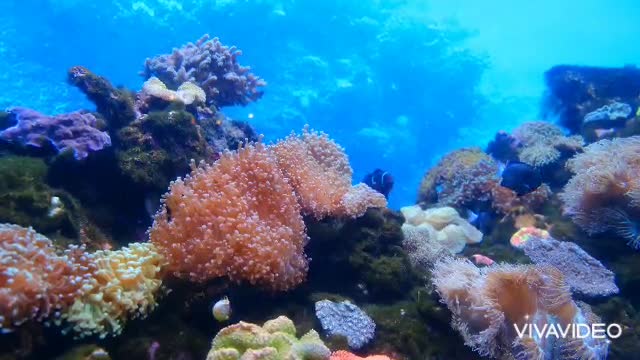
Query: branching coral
[[275, 340], [213, 67], [461, 178], [35, 282], [604, 193], [124, 285], [238, 218], [77, 132], [489, 304], [320, 174], [505, 201]]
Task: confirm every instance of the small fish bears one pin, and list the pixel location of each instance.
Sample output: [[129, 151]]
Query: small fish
[[520, 177], [380, 181], [483, 220], [222, 309], [482, 260]]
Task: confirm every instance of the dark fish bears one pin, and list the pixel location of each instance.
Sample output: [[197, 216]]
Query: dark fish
[[380, 181], [483, 220], [520, 177]]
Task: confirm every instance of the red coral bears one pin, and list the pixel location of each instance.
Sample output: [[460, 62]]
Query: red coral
[[345, 355], [506, 201], [238, 218], [35, 282]]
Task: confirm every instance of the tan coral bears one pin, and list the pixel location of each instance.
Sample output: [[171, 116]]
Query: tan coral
[[124, 285]]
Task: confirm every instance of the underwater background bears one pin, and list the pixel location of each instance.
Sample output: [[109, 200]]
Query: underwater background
[[493, 125]]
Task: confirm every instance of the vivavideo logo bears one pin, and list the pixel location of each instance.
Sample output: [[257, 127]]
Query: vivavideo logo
[[571, 331]]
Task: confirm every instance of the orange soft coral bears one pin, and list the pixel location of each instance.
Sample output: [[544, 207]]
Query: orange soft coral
[[35, 282], [345, 355], [319, 171], [238, 218], [604, 193], [489, 303]]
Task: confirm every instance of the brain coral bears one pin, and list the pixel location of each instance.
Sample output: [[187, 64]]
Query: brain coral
[[460, 178], [35, 282], [237, 218], [604, 193]]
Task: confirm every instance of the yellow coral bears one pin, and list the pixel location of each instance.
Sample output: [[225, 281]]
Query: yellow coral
[[125, 285]]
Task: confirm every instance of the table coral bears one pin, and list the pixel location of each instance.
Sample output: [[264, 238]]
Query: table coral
[[275, 340]]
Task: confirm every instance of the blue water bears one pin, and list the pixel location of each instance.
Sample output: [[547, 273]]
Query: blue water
[[397, 83]]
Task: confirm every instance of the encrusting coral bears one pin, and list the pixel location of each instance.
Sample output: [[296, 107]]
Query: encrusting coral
[[490, 304], [275, 340], [604, 193]]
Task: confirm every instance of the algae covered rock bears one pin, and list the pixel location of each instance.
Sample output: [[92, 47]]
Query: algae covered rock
[[27, 199], [156, 148], [275, 340]]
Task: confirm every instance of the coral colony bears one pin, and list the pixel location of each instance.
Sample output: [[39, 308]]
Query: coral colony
[[88, 243]]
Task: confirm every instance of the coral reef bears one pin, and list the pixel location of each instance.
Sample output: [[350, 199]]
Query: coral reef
[[345, 319], [583, 273], [542, 143], [505, 201], [488, 303], [76, 132], [345, 355], [575, 91], [27, 200], [157, 147], [124, 284], [36, 282], [244, 208], [213, 67], [116, 105], [276, 340], [432, 233], [461, 178], [604, 193], [319, 171]]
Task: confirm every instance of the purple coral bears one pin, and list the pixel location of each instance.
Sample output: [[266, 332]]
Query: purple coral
[[212, 66], [76, 131], [583, 273]]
